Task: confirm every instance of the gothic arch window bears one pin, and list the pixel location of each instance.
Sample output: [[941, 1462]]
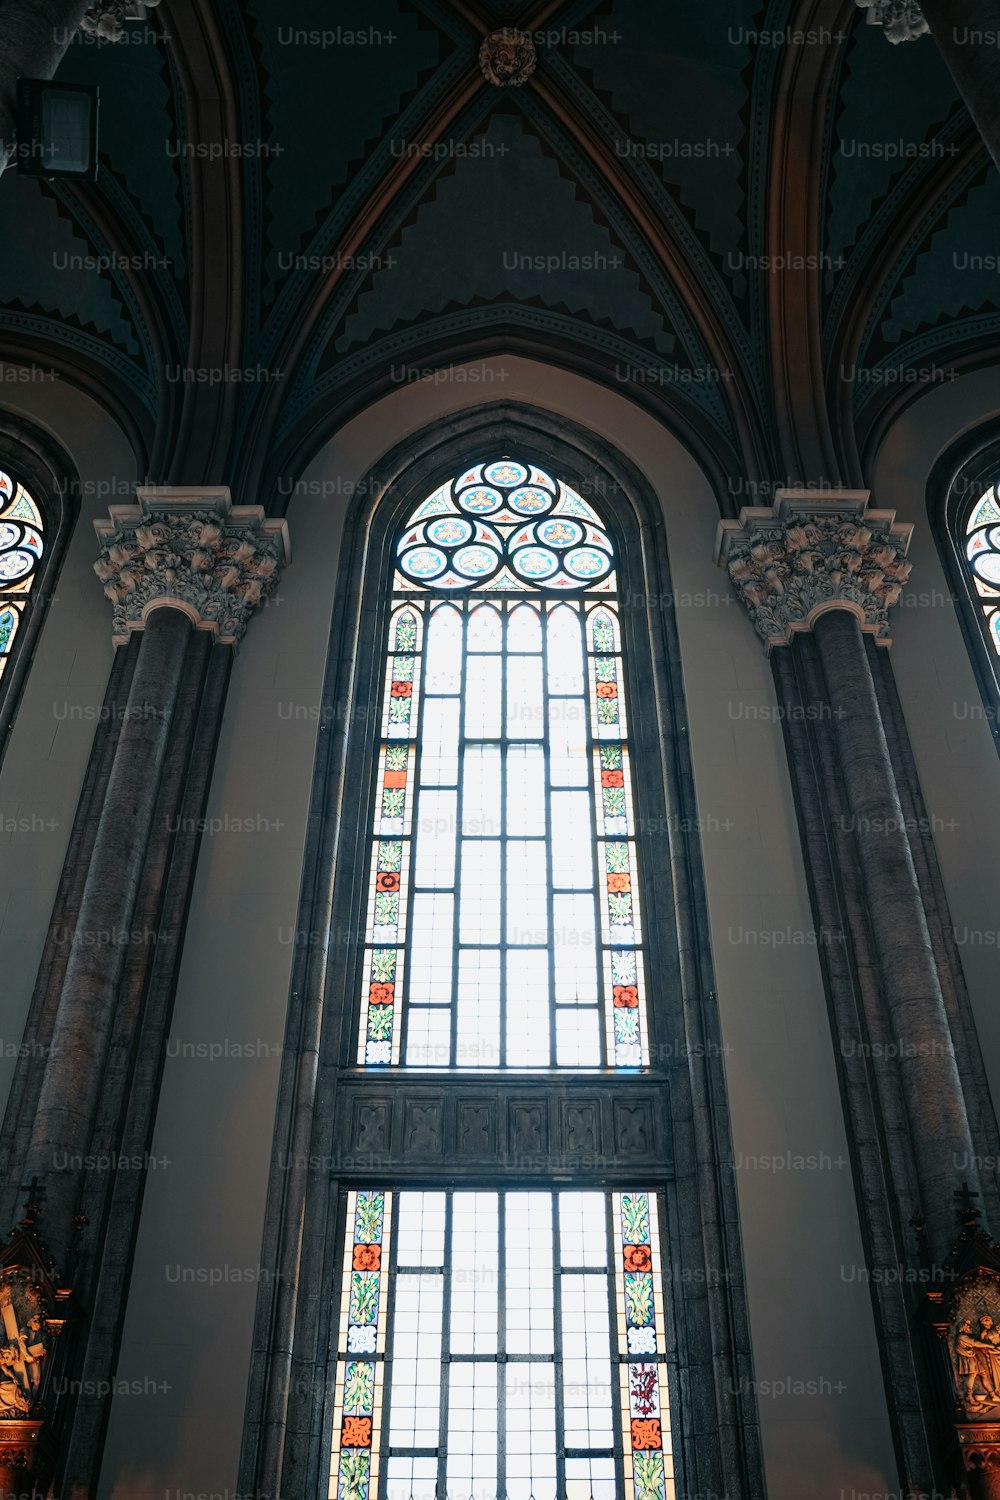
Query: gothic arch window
[[488, 1200], [964, 506], [507, 1340], [982, 559], [504, 925]]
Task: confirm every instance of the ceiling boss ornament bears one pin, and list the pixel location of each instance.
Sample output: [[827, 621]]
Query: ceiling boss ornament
[[793, 561], [195, 550], [507, 57]]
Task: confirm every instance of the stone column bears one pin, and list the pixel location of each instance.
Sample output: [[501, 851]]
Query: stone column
[[834, 567], [966, 32], [180, 560]]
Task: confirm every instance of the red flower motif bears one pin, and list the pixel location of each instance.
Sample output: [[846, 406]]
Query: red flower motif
[[387, 880], [368, 1257], [607, 690], [356, 1432], [626, 995], [402, 690], [610, 778], [637, 1258], [381, 994], [394, 778], [646, 1434], [622, 882]]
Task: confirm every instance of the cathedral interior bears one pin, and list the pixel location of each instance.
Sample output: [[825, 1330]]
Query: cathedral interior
[[499, 696]]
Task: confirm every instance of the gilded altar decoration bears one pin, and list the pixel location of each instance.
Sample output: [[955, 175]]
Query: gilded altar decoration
[[806, 554], [194, 549], [974, 1344], [507, 57]]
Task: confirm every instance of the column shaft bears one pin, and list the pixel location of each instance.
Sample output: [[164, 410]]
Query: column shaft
[[942, 1142], [73, 1079]]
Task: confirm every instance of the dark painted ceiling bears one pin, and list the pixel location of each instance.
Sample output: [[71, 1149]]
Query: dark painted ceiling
[[327, 214]]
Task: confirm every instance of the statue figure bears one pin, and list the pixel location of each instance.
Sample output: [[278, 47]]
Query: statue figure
[[13, 1401]]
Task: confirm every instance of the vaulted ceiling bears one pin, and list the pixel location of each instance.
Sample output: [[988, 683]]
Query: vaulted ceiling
[[768, 241]]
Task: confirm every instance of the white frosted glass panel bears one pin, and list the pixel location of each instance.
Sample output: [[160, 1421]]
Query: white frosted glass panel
[[587, 1402], [531, 1432], [572, 849], [436, 838], [479, 898], [524, 632], [568, 742], [428, 1037], [527, 913], [583, 1229], [475, 1272], [472, 1431], [527, 1008], [578, 1038], [431, 948], [565, 643], [525, 706], [528, 1234], [482, 698], [421, 1217], [573, 942], [484, 629], [439, 742], [478, 1008], [416, 1362], [443, 663], [525, 789], [481, 791]]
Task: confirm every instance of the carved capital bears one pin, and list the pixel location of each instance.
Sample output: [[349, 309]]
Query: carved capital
[[902, 20], [106, 18], [806, 554], [192, 549], [507, 57]]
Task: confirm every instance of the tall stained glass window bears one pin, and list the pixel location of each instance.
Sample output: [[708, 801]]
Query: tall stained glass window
[[982, 554], [501, 1346], [504, 919], [22, 543]]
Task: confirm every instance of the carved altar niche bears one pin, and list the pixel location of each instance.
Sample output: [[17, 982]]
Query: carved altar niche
[[33, 1310], [966, 1318]]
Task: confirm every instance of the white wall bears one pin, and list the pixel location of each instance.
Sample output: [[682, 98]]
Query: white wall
[[811, 1321]]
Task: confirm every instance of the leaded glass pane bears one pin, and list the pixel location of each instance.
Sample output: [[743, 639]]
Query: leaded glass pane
[[501, 1344], [982, 560], [504, 787], [22, 543]]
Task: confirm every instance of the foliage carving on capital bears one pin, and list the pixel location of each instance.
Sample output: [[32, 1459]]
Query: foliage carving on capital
[[106, 18], [192, 549], [796, 560], [507, 57], [901, 20]]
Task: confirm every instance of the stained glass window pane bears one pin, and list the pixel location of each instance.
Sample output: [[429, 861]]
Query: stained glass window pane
[[982, 560], [502, 1343], [22, 544], [505, 785]]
